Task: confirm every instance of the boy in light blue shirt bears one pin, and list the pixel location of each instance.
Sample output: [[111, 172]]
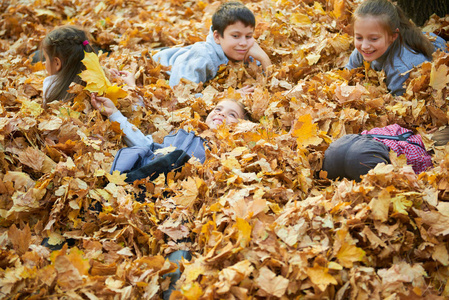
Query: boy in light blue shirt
[[230, 38]]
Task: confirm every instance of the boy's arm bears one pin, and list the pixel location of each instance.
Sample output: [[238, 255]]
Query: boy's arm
[[257, 53], [196, 68]]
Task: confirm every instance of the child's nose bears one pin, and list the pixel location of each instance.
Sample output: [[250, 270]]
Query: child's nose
[[365, 44]]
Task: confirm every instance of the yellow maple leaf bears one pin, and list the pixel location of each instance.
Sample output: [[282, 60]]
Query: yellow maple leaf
[[96, 80], [116, 177], [115, 92], [401, 204], [320, 277], [306, 132], [348, 254], [189, 192], [76, 257]]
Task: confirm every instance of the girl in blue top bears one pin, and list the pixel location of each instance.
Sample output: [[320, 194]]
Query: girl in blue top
[[384, 37]]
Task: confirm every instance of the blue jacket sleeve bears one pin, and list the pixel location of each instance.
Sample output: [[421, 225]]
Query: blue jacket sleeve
[[133, 136], [194, 67]]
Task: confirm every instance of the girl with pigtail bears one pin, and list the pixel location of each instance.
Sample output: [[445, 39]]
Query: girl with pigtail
[[386, 38], [63, 49]]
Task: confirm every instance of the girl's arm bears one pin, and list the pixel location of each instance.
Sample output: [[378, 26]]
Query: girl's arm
[[132, 135], [127, 77]]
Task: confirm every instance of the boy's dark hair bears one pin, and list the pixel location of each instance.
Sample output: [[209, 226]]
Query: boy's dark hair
[[392, 17], [68, 43], [230, 13]]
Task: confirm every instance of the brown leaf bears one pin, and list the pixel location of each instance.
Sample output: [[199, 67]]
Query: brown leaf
[[270, 283], [20, 239]]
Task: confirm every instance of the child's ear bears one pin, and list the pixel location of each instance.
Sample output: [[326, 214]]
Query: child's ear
[[57, 63], [216, 37], [395, 35]]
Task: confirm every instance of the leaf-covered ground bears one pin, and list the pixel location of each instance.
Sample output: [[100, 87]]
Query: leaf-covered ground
[[263, 221]]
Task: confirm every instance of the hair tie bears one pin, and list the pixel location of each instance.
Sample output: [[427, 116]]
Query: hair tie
[[86, 42]]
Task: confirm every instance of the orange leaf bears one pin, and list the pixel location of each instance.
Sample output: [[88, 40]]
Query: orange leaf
[[244, 231], [320, 277], [306, 132], [339, 8], [20, 239], [348, 254]]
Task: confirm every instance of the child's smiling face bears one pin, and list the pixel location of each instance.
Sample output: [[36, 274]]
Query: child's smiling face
[[371, 39], [237, 39], [228, 111]]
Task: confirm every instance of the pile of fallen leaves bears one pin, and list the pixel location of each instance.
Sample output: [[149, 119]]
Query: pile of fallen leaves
[[261, 218]]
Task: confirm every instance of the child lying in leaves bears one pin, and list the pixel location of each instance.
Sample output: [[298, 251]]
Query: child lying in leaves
[[140, 161], [354, 155], [230, 39], [228, 110]]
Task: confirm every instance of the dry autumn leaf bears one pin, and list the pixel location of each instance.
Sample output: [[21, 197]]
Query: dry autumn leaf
[[257, 218], [96, 79], [306, 132], [270, 283]]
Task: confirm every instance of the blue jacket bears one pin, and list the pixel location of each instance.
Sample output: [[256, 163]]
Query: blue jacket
[[199, 62], [141, 147], [401, 64], [132, 158]]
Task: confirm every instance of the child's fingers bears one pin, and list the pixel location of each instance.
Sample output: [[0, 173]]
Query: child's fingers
[[114, 72]]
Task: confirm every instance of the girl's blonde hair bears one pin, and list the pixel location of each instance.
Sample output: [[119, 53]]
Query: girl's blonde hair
[[392, 17], [68, 43]]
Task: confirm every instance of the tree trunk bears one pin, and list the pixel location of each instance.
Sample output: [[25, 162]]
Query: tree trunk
[[421, 10]]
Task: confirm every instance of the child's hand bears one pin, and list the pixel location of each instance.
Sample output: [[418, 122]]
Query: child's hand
[[257, 53], [103, 104], [247, 89], [127, 77]]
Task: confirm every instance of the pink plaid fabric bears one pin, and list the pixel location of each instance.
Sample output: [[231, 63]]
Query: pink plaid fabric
[[416, 156]]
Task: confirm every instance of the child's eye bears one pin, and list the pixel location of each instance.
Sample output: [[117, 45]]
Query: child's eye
[[233, 115]]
